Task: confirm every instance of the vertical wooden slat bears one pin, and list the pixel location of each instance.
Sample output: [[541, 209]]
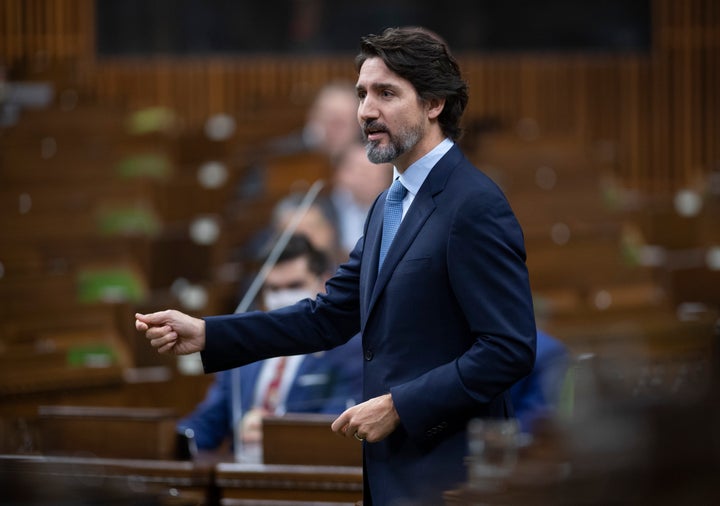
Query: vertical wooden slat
[[63, 36], [581, 105], [712, 66], [685, 168], [37, 17], [675, 96], [27, 29], [660, 119], [5, 34], [88, 28], [697, 32], [50, 28]]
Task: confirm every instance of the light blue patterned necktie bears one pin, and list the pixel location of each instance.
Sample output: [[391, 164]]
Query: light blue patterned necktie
[[393, 217]]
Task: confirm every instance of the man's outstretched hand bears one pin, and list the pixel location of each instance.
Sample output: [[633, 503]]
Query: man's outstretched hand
[[171, 331]]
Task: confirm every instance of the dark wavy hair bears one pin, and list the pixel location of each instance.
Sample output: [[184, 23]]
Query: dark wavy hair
[[423, 58]]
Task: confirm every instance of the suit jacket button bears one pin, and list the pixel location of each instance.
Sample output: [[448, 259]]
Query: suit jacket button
[[368, 354]]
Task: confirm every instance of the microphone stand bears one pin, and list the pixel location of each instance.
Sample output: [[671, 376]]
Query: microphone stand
[[250, 295]]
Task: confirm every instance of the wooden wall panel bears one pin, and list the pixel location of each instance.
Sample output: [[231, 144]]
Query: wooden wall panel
[[657, 113], [53, 29]]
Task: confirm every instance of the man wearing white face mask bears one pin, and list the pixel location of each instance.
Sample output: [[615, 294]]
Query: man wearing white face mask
[[325, 382]]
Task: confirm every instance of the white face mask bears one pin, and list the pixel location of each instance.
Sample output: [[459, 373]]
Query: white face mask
[[286, 297]]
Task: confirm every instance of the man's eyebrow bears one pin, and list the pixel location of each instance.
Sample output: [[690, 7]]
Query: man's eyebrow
[[383, 86], [377, 86]]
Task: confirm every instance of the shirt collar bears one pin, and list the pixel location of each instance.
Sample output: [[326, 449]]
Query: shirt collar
[[415, 175]]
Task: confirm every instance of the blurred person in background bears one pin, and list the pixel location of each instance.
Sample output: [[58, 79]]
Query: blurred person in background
[[536, 397], [330, 123], [331, 129], [357, 182], [319, 224], [324, 382]]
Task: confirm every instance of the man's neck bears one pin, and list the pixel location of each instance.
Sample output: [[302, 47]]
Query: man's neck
[[423, 147]]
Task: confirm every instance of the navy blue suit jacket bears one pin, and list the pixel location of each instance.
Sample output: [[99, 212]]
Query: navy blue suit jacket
[[325, 382], [447, 327]]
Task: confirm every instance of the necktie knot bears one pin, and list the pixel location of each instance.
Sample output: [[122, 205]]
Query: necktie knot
[[396, 192]]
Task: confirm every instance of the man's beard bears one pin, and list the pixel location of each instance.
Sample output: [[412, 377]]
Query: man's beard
[[397, 145]]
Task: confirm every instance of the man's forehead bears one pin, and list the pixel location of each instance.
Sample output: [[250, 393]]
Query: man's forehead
[[375, 74]]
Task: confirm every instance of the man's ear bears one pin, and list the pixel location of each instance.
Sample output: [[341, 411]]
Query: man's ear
[[435, 107]]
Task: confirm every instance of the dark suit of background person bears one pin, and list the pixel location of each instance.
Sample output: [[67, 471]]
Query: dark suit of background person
[[447, 323], [538, 395], [325, 382]]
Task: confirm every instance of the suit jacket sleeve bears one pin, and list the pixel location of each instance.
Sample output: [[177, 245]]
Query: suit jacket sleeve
[[306, 327]]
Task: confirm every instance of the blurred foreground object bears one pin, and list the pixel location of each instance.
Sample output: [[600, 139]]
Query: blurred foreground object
[[639, 433]]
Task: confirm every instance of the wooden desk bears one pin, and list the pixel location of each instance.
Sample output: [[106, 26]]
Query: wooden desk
[[115, 445], [49, 479], [177, 483], [304, 463], [268, 482], [306, 439], [111, 432]]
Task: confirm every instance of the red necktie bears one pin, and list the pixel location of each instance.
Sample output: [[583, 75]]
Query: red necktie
[[271, 394]]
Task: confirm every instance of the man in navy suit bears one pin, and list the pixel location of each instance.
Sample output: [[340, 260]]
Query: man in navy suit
[[324, 382], [447, 320]]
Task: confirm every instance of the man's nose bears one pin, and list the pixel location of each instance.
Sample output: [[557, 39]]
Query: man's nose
[[367, 110]]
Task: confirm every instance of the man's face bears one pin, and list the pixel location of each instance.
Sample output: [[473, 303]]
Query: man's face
[[331, 121], [392, 117], [290, 281]]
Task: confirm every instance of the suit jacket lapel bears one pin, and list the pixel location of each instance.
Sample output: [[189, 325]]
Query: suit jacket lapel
[[371, 253], [421, 208]]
